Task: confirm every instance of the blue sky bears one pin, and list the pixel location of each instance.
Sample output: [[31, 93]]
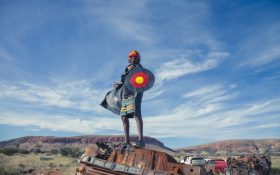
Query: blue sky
[[216, 65]]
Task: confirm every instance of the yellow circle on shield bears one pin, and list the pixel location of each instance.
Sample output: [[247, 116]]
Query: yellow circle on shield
[[139, 80]]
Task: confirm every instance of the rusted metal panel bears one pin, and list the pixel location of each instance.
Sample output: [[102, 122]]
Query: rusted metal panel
[[131, 159], [135, 161], [253, 164]]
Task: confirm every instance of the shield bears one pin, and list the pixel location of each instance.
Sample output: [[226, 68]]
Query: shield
[[139, 80]]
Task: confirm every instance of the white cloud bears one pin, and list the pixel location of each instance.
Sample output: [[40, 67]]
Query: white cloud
[[268, 56], [61, 123], [188, 121], [74, 95], [213, 89], [211, 120], [173, 64], [154, 92], [260, 47], [208, 112], [265, 56], [211, 94], [181, 67], [191, 118], [178, 67], [184, 64], [269, 125]]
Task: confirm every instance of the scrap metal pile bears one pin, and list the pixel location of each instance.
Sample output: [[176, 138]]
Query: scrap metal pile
[[250, 165], [109, 159]]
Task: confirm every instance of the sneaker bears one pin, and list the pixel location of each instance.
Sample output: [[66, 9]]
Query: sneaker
[[140, 143]]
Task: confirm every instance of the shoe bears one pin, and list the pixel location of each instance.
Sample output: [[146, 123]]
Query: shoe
[[140, 143]]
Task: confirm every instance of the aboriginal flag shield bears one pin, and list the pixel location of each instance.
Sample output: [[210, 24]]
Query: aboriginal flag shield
[[139, 80]]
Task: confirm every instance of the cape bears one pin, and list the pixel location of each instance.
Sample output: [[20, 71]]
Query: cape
[[112, 100]]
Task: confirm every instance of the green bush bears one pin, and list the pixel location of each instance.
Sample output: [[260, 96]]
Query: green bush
[[37, 150], [9, 151], [11, 171], [73, 152], [54, 151], [24, 151]]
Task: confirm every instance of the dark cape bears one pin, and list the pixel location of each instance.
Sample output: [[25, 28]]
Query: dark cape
[[113, 99]]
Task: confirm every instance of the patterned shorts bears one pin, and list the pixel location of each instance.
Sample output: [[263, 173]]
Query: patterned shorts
[[128, 107]]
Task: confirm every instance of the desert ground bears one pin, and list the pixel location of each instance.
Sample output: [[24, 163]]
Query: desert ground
[[50, 164]]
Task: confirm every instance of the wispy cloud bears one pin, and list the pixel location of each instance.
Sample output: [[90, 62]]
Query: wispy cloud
[[187, 121], [260, 47], [181, 67], [123, 19], [216, 118], [191, 116], [175, 69], [211, 94], [62, 123], [210, 110], [266, 56], [270, 125], [74, 95]]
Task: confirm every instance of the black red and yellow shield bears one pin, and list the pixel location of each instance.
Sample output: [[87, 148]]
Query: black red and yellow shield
[[139, 80]]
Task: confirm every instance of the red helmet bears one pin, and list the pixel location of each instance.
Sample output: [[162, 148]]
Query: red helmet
[[134, 54]]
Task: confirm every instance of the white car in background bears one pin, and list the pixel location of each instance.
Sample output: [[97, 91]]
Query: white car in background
[[194, 161]]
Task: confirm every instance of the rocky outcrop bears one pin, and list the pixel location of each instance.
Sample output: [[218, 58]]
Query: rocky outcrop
[[45, 142], [77, 139], [235, 147]]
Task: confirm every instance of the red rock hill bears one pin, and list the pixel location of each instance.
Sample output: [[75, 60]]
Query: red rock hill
[[76, 139], [47, 143], [235, 147]]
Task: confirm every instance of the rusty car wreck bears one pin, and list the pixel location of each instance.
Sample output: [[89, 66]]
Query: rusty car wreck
[[109, 159]]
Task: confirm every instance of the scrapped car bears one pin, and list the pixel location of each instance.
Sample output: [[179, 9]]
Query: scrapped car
[[110, 159], [194, 161], [217, 166], [250, 164]]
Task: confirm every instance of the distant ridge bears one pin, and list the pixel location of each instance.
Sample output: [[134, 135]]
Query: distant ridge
[[47, 143], [235, 147], [225, 147], [86, 139]]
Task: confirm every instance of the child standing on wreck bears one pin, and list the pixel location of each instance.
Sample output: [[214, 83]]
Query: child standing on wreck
[[131, 101]]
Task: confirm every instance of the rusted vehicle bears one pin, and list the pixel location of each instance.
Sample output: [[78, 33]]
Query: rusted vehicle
[[252, 165], [111, 160], [217, 166]]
